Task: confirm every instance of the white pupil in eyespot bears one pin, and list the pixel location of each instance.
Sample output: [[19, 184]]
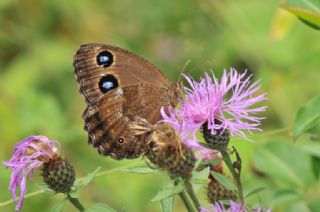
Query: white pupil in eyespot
[[107, 85], [104, 59]]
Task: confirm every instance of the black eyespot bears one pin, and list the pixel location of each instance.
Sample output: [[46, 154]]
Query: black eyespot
[[104, 59], [108, 83], [120, 140]]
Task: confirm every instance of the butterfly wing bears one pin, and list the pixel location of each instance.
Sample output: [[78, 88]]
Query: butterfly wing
[[119, 85]]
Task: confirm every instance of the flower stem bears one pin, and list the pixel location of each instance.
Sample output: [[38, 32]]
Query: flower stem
[[76, 203], [192, 195], [186, 201], [236, 176]]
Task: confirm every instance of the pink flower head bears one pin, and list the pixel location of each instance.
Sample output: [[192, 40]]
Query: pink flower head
[[28, 154], [234, 207], [219, 207], [224, 105]]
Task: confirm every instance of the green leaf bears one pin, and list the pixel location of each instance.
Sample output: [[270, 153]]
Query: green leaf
[[307, 11], [224, 181], [298, 206], [140, 170], [100, 207], [201, 175], [168, 191], [74, 194], [202, 164], [285, 163], [88, 178], [315, 137], [197, 186], [167, 204], [58, 207], [313, 202], [316, 166], [285, 195], [315, 133], [312, 148], [307, 117], [83, 182], [254, 191], [47, 190]]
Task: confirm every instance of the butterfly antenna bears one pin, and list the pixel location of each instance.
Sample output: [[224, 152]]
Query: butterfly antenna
[[183, 71], [179, 83]]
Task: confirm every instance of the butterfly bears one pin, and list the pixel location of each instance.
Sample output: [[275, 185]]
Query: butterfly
[[118, 87]]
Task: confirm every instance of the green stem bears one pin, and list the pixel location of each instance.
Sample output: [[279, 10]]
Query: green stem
[[192, 195], [104, 173], [236, 176], [186, 201], [76, 203]]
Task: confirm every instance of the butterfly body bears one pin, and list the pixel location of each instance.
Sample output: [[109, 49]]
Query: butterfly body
[[119, 86]]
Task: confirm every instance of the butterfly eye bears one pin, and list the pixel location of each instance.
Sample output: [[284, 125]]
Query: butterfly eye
[[108, 83], [104, 59]]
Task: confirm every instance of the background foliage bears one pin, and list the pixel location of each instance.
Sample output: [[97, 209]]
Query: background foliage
[[39, 94]]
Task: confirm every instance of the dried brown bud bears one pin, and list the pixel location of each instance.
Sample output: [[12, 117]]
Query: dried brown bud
[[165, 149]]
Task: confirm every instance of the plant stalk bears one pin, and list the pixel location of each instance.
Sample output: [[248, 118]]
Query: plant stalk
[[236, 176], [186, 201], [192, 195], [76, 203]]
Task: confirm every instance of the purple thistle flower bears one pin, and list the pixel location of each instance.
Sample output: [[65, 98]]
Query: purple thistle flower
[[234, 207], [219, 207], [28, 154], [224, 105]]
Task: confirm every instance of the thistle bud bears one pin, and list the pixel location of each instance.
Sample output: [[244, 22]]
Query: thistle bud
[[58, 174], [35, 152], [217, 192], [219, 140]]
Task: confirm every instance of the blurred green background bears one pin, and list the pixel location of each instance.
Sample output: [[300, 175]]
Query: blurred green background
[[39, 94]]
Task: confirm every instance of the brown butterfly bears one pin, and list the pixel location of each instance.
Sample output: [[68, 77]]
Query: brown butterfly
[[118, 87]]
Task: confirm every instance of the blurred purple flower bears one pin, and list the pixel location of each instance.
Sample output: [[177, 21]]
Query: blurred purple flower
[[224, 105], [234, 207], [28, 154], [219, 207]]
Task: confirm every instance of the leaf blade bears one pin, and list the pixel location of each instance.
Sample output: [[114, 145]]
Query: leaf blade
[[139, 170], [168, 191], [167, 204], [307, 117], [100, 207], [225, 181], [305, 10]]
